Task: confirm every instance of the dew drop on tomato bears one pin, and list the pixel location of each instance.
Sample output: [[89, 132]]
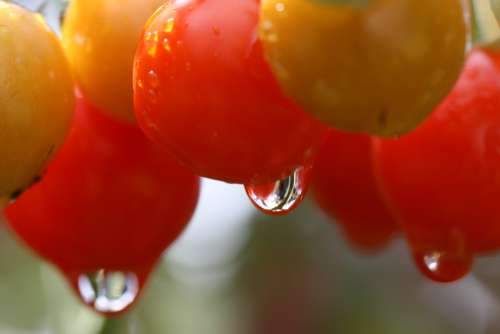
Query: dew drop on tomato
[[108, 292], [283, 196], [444, 267]]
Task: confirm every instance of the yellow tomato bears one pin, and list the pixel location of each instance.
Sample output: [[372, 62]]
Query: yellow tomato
[[495, 9], [36, 98], [100, 38], [378, 69]]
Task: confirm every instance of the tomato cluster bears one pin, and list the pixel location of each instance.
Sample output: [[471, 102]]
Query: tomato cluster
[[110, 200], [272, 95]]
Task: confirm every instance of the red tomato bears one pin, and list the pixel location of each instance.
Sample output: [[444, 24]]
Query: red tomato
[[110, 200], [203, 91], [443, 180], [345, 188]]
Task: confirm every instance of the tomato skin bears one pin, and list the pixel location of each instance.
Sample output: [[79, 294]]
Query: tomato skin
[[378, 69], [100, 38], [110, 200], [36, 98], [344, 186], [442, 181], [203, 91]]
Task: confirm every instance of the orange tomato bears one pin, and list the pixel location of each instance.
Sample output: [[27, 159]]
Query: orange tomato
[[100, 38]]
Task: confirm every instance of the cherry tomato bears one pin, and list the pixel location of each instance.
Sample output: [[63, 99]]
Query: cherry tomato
[[204, 92], [36, 98], [345, 188], [378, 68], [110, 200], [443, 180], [100, 38]]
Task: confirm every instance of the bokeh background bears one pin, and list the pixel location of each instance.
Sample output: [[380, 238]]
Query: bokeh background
[[235, 271]]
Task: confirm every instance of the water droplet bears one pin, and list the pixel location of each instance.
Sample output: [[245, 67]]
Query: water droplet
[[283, 196], [166, 44], [153, 79], [268, 34], [444, 267], [153, 98], [151, 41], [280, 7], [170, 25], [108, 292], [80, 39], [140, 84], [13, 15]]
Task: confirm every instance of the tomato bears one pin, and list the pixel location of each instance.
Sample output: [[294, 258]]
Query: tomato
[[443, 180], [110, 201], [203, 91], [36, 98], [100, 38], [378, 69], [345, 188]]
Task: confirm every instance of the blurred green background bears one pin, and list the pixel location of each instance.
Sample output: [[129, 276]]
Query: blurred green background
[[235, 271]]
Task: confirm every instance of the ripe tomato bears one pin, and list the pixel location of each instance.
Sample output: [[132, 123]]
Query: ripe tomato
[[443, 180], [100, 38], [345, 188], [110, 200], [36, 98], [203, 91], [378, 69]]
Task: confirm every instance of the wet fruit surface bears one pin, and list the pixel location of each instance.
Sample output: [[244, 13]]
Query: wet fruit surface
[[204, 92]]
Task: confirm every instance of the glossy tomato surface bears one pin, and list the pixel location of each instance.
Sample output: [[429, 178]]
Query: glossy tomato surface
[[443, 180], [345, 188], [100, 38], [110, 200], [378, 68], [36, 98], [203, 91]]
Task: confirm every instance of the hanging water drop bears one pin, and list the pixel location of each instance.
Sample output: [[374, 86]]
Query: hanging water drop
[[444, 267], [108, 292], [280, 197]]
